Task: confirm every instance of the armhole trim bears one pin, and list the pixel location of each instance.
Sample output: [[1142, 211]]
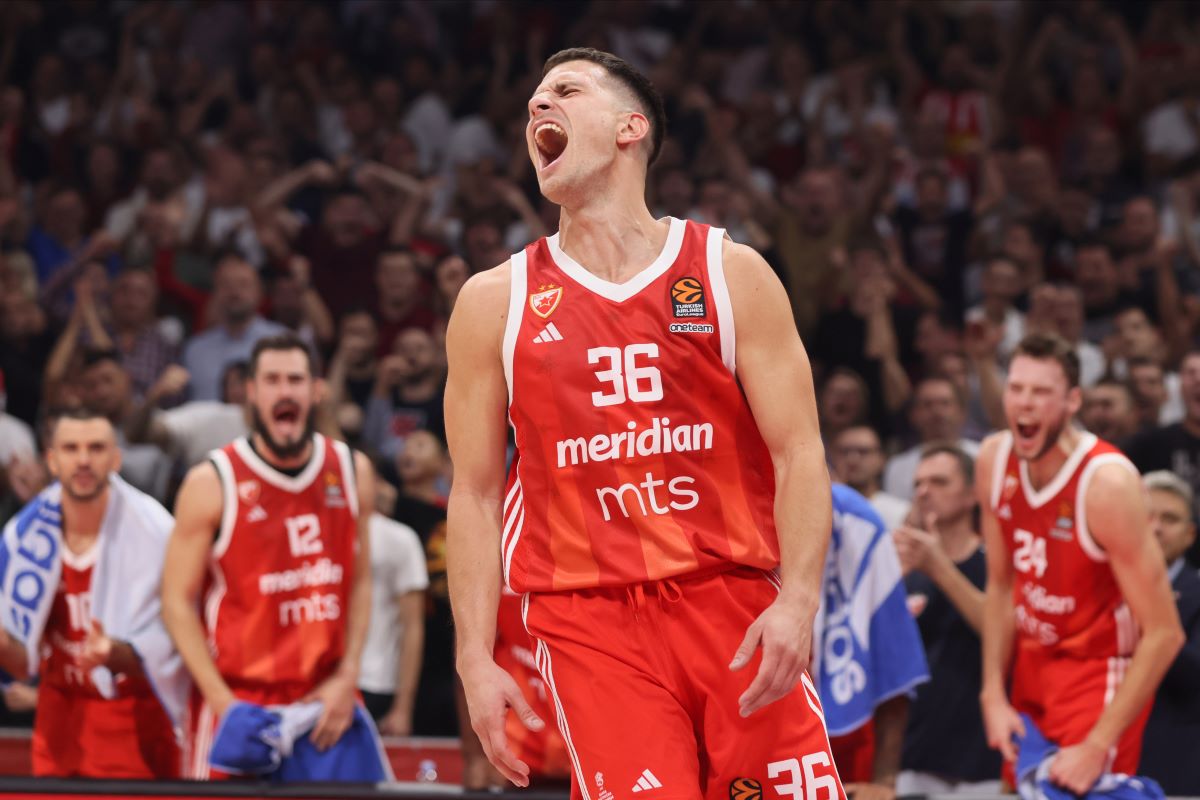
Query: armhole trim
[[229, 502], [1089, 545], [517, 290], [345, 457], [721, 301], [1000, 467]]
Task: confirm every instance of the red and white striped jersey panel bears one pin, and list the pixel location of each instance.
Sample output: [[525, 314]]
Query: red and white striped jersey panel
[[639, 457], [282, 566], [1064, 593]]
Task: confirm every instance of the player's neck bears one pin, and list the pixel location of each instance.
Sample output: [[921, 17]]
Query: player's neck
[[282, 464], [613, 236], [82, 520], [1043, 468]]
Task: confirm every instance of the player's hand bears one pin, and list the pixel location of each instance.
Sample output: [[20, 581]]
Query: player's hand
[[784, 631], [490, 693], [97, 648], [870, 791], [339, 695], [1078, 767], [20, 697], [396, 723], [1001, 722]]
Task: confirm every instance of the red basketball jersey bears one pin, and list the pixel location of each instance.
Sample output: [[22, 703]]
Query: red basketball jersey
[[639, 456], [282, 567], [68, 624], [1064, 594]]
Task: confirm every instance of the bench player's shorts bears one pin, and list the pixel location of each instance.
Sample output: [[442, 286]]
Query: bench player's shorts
[[80, 736], [1065, 696], [646, 702]]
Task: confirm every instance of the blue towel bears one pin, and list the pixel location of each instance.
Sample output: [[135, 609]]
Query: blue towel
[[358, 757], [241, 746], [866, 645], [1035, 753]]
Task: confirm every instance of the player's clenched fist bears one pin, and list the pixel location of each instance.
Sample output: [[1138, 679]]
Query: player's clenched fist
[[490, 693]]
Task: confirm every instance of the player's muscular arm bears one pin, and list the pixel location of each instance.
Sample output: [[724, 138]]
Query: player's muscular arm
[[476, 401], [339, 692], [775, 374], [197, 518], [1117, 520], [999, 717]]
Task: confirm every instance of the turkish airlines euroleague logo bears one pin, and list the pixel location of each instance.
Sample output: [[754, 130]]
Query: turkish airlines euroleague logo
[[687, 298]]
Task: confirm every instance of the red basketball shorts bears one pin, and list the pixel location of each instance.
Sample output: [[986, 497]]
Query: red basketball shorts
[[80, 736], [645, 700], [1064, 697]]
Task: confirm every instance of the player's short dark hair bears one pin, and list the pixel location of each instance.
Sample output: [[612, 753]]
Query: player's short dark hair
[[937, 377], [282, 342], [966, 464], [83, 413], [1051, 347], [629, 77]]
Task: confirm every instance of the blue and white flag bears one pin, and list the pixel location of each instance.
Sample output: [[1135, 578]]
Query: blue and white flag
[[1035, 754], [867, 648]]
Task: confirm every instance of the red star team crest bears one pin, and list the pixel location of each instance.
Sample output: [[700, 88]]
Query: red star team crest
[[545, 300]]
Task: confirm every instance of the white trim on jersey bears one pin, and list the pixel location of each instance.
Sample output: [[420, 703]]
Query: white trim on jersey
[[276, 478], [514, 523], [550, 334], [1000, 467], [1093, 550], [620, 292], [229, 502], [1039, 498], [1127, 629], [720, 290], [517, 288], [346, 458]]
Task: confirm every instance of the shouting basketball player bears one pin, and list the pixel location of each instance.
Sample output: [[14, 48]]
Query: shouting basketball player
[[1073, 575], [272, 531], [670, 462]]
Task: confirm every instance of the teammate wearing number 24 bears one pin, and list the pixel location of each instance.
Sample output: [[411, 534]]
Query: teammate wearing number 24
[[1074, 576], [667, 518]]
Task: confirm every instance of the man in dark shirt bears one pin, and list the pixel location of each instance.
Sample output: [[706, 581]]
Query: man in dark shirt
[[1169, 744], [1176, 448], [941, 553]]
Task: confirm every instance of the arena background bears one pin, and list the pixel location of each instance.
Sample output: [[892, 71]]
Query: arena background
[[929, 179]]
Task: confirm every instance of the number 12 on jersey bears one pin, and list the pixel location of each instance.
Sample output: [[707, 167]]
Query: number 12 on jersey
[[623, 376]]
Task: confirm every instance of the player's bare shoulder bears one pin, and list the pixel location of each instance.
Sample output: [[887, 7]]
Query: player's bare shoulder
[[481, 309], [199, 500], [748, 274]]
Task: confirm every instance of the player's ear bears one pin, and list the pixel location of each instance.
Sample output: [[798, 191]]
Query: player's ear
[[320, 391], [1074, 400], [635, 128]]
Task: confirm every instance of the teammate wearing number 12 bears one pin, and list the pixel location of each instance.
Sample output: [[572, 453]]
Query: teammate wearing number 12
[[1077, 599], [668, 515]]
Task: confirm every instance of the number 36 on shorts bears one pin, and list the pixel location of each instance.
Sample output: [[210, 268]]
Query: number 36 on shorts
[[803, 782]]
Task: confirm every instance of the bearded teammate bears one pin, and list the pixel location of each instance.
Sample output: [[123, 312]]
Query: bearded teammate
[[269, 535], [1073, 575], [642, 522]]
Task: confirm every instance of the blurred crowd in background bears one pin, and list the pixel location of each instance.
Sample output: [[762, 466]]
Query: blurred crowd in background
[[930, 180]]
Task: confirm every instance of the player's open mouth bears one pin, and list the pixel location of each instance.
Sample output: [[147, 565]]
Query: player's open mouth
[[551, 143], [1028, 430], [286, 412]]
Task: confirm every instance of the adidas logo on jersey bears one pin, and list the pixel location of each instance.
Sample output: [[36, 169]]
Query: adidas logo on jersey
[[257, 514], [550, 334], [646, 782]]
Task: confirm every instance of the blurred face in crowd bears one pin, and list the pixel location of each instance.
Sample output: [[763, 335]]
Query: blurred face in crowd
[[937, 413], [287, 301], [1139, 225], [580, 118], [1038, 404], [1149, 390], [65, 216], [83, 453], [1102, 152], [397, 278], [1108, 411], [1096, 275], [1075, 211], [158, 174], [422, 458], [103, 167], [931, 195], [843, 401], [451, 274], [857, 458], [134, 296], [283, 397], [816, 200], [953, 367], [419, 353], [1137, 337], [359, 336], [483, 242], [1033, 177], [675, 191], [1068, 313], [1001, 281], [233, 383], [20, 316], [1172, 523], [1189, 386], [107, 389], [237, 291], [346, 215], [399, 152], [1020, 246], [941, 490]]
